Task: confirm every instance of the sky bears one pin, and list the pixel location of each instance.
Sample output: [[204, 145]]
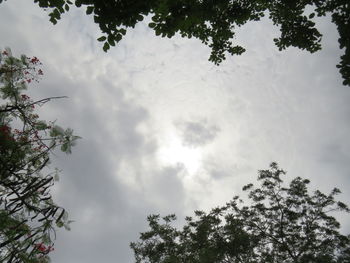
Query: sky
[[166, 131]]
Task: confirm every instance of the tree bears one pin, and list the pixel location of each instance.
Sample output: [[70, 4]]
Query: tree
[[28, 214], [214, 22], [281, 224]]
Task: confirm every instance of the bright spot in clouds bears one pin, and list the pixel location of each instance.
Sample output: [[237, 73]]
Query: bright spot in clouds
[[172, 152]]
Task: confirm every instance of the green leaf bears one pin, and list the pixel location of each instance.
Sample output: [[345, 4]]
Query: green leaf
[[106, 47], [140, 17], [53, 20], [111, 40], [118, 37], [152, 25], [78, 3], [89, 10], [60, 9], [103, 38], [122, 31], [56, 14], [56, 131], [41, 125], [155, 18], [66, 147]]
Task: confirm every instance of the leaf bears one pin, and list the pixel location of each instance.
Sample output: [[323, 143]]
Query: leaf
[[106, 47], [155, 18], [78, 3], [247, 187], [53, 20], [97, 21], [122, 31], [140, 17], [118, 37], [152, 25], [56, 14], [56, 131], [41, 125], [111, 40], [60, 9], [66, 147], [89, 10], [103, 38]]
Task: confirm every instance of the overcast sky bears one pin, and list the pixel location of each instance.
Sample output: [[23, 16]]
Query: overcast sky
[[165, 131]]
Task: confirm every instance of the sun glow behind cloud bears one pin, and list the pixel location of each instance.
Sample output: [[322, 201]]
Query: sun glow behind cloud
[[173, 152]]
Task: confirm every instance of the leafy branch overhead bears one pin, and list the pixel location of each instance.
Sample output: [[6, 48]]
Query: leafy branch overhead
[[214, 22], [281, 223]]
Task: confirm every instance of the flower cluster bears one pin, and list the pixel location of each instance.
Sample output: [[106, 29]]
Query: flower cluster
[[34, 60], [44, 249], [36, 131], [4, 129], [27, 70], [5, 133], [24, 97], [33, 73]]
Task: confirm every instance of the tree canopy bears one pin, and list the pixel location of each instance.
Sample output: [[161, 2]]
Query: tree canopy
[[281, 223], [214, 22], [28, 214]]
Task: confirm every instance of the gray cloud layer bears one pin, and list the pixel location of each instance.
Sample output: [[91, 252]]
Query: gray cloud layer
[[264, 106]]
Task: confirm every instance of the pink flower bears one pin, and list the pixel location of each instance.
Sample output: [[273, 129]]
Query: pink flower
[[24, 97], [34, 60], [41, 247]]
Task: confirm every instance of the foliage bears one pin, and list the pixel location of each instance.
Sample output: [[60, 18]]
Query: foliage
[[214, 22], [281, 224], [28, 215]]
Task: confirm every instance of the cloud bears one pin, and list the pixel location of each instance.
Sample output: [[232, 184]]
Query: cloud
[[111, 182], [197, 133]]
